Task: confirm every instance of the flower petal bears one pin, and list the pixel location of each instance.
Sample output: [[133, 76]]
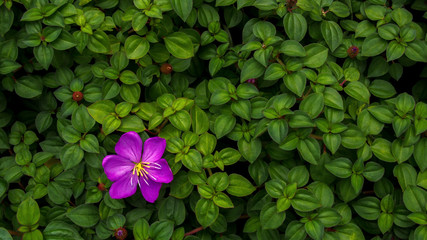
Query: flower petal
[[153, 149], [124, 187], [130, 146], [160, 171], [115, 167], [149, 189]]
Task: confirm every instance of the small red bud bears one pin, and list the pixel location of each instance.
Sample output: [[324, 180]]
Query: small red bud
[[101, 187], [120, 233], [42, 38], [251, 80], [353, 51], [166, 68], [77, 96]]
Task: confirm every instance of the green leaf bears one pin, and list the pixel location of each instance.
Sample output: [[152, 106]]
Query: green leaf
[[278, 130], [314, 229], [388, 31], [382, 89], [71, 155], [251, 69], [292, 48], [4, 234], [304, 201], [382, 150], [394, 50], [385, 222], [29, 87], [242, 108], [32, 14], [101, 109], [417, 51], [274, 72], [64, 41], [6, 20], [358, 91], [81, 119], [295, 82], [130, 93], [270, 217], [375, 12], [295, 26], [193, 161], [373, 45], [405, 174], [222, 200], [239, 186], [332, 34], [316, 55], [340, 167], [161, 230], [56, 230], [310, 150], [247, 91], [28, 212], [99, 42], [250, 150], [182, 8], [136, 47], [333, 99], [224, 124], [140, 229], [401, 16], [364, 29], [329, 217], [312, 104], [264, 30], [90, 144], [373, 171], [368, 208], [44, 55], [181, 120], [420, 154], [131, 123], [8, 66], [85, 215], [179, 45], [206, 212]]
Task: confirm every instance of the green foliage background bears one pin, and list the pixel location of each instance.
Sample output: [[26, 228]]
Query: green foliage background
[[284, 119]]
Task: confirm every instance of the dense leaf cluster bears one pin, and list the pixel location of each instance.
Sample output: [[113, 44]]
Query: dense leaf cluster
[[284, 119]]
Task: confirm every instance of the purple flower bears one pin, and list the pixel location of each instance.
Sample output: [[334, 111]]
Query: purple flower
[[132, 166]]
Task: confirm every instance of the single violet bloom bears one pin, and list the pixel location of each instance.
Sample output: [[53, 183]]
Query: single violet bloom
[[132, 166]]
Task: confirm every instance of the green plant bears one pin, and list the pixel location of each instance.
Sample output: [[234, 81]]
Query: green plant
[[284, 119]]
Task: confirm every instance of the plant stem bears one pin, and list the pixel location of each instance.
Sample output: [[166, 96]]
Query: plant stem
[[209, 171], [161, 126], [193, 231], [229, 35], [316, 137], [280, 62], [11, 232]]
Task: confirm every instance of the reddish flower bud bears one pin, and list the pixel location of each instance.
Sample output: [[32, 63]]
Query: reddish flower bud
[[42, 38], [251, 80], [101, 187], [166, 68], [353, 51], [77, 96], [120, 233]]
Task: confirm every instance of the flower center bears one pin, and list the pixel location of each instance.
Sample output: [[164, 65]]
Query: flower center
[[140, 169], [143, 169]]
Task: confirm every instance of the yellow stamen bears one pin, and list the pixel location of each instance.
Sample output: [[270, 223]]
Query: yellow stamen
[[140, 169]]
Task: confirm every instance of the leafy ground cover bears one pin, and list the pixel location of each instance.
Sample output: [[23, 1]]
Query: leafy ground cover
[[213, 119]]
